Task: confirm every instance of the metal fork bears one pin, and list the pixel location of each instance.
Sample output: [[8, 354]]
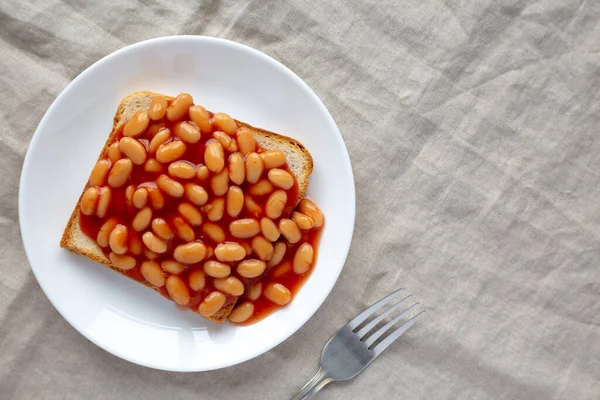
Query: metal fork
[[351, 350]]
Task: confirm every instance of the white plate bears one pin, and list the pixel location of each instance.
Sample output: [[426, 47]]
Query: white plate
[[116, 313]]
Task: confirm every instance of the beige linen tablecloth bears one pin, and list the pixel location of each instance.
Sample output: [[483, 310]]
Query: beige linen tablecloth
[[472, 127]]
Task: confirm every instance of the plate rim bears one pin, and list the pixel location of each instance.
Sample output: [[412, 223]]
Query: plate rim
[[132, 47]]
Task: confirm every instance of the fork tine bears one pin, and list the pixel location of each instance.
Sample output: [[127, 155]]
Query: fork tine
[[373, 338], [392, 338], [360, 318], [363, 331]]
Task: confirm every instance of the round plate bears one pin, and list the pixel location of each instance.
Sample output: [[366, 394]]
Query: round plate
[[117, 313]]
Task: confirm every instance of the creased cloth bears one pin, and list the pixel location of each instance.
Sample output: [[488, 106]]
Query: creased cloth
[[472, 127]]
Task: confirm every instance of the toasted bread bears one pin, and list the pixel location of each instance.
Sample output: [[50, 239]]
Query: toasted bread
[[298, 159]]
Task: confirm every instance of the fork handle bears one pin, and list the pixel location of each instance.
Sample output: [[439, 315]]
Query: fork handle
[[313, 386]]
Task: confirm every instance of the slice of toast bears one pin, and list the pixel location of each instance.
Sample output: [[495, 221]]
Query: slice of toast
[[299, 162]]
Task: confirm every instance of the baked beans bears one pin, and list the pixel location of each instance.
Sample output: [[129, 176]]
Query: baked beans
[[161, 137], [252, 207], [262, 247], [202, 173], [129, 195], [242, 312], [307, 206], [304, 221], [140, 197], [118, 239], [237, 168], [133, 149], [290, 230], [170, 186], [190, 253], [255, 291], [187, 132], [190, 202], [244, 228], [225, 123], [183, 230], [273, 159], [275, 204], [214, 157], [215, 210], [235, 201], [120, 172], [154, 129], [303, 258], [216, 269], [157, 200], [142, 219], [254, 167], [114, 154], [211, 304], [122, 262], [201, 118], [269, 229], [172, 267], [162, 229], [153, 166], [158, 108], [154, 243], [220, 183], [182, 170], [229, 252], [226, 141], [89, 201], [136, 246], [98, 175], [278, 293], [190, 213], [178, 290], [261, 188], [197, 280], [245, 140], [280, 178], [170, 151], [279, 250], [251, 268], [152, 272], [178, 109], [137, 124], [104, 196], [105, 230], [196, 194], [214, 232], [230, 285]]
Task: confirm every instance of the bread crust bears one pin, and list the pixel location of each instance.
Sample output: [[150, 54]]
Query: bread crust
[[76, 241]]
